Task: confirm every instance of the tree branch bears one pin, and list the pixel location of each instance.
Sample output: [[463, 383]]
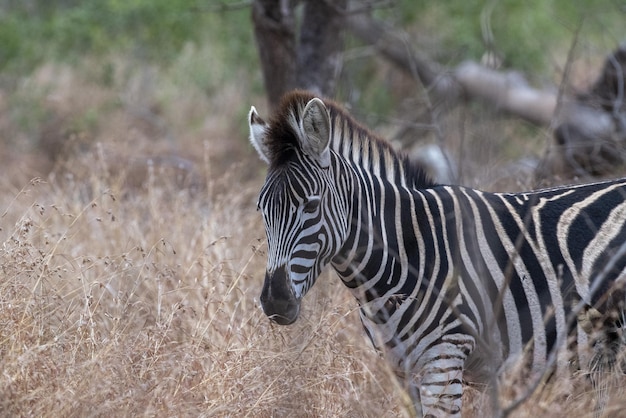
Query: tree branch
[[590, 131], [508, 92], [397, 49], [321, 45]]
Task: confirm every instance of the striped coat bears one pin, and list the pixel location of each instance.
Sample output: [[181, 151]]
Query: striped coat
[[453, 283]]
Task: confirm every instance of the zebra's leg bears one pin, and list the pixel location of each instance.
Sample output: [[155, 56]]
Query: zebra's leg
[[441, 383], [603, 370], [608, 342]]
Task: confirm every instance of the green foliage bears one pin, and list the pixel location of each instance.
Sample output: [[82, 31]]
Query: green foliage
[[9, 39], [153, 30], [524, 33]]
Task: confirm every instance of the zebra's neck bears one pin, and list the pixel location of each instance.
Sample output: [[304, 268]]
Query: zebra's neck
[[379, 179], [374, 249], [385, 194]]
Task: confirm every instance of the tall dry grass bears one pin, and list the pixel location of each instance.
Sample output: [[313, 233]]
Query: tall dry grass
[[144, 302]]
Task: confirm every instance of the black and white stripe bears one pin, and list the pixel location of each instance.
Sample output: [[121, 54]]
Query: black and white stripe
[[450, 280]]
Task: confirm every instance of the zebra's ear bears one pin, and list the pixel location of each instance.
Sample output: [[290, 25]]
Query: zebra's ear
[[258, 134], [316, 131]]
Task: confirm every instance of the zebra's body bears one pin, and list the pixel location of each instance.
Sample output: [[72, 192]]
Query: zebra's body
[[449, 279]]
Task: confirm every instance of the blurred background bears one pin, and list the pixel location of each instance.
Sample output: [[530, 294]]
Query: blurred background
[[161, 77]]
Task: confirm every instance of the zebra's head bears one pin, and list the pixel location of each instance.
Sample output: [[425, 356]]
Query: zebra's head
[[302, 209]]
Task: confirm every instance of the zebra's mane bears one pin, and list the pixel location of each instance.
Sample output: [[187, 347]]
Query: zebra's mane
[[283, 142]]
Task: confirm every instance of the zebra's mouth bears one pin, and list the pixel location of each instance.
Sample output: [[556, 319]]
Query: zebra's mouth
[[281, 319], [278, 300], [281, 312]]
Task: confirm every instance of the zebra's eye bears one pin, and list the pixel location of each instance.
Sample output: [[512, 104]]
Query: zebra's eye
[[311, 205]]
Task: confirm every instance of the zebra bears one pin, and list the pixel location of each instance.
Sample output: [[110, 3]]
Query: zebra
[[453, 283]]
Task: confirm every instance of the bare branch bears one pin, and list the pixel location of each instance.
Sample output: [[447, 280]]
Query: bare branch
[[506, 91], [589, 131], [396, 49]]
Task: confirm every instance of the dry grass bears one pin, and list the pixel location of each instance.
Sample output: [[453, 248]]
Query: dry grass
[[146, 304], [130, 288]]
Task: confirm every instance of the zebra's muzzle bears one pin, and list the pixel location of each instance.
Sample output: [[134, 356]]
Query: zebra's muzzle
[[278, 300]]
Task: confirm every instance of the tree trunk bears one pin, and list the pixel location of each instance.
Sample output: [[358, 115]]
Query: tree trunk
[[274, 31], [321, 46], [309, 61]]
